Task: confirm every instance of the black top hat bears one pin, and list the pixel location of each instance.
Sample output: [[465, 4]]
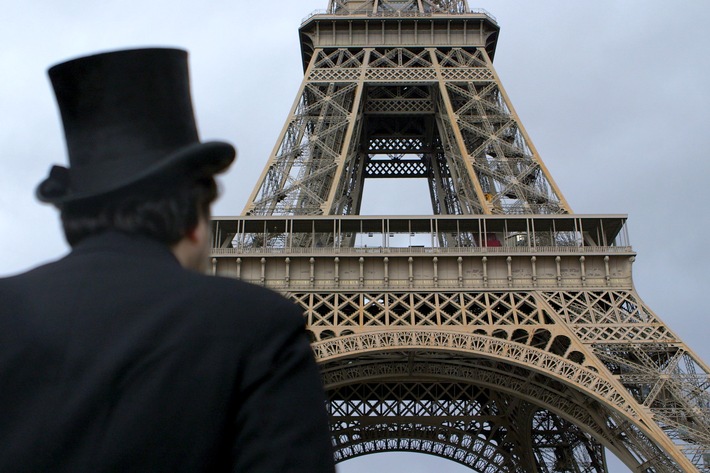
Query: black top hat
[[127, 117]]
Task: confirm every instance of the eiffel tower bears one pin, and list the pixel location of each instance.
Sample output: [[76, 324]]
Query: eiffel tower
[[503, 331]]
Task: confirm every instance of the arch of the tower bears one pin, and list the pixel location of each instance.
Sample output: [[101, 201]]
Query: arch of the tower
[[492, 404]]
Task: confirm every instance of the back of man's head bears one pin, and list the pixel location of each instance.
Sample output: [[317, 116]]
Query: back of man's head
[[164, 210], [136, 164]]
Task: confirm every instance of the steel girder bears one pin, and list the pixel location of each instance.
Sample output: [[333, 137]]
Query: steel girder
[[646, 400], [444, 106]]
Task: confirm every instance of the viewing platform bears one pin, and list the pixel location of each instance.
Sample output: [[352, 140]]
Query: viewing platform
[[473, 13], [359, 252], [409, 28]]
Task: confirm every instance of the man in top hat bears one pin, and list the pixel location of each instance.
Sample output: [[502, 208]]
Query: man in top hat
[[122, 356]]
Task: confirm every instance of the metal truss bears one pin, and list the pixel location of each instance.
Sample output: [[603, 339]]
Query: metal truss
[[513, 341], [570, 338], [478, 427], [653, 380], [443, 108]]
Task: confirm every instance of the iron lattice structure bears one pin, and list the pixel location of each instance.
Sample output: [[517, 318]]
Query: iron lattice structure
[[502, 332]]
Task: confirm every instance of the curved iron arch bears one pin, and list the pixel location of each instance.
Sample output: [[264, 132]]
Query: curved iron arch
[[350, 350]]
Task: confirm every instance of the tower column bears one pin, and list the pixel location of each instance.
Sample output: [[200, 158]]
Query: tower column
[[480, 200], [350, 148]]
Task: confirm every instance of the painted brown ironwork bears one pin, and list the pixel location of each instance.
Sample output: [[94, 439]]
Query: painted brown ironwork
[[502, 332]]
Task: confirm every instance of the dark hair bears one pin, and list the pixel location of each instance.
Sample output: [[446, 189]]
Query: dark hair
[[163, 210]]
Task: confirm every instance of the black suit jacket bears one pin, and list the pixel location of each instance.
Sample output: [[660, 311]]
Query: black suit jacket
[[116, 359]]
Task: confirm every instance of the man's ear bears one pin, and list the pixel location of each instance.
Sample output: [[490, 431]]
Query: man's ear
[[192, 251], [193, 234], [199, 231]]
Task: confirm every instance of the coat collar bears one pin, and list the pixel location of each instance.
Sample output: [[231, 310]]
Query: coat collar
[[127, 244]]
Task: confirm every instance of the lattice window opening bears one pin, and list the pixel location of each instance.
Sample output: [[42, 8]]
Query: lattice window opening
[[471, 109], [491, 152], [479, 129], [628, 310], [446, 6], [292, 153], [461, 57], [315, 97], [391, 132], [460, 185], [392, 144], [469, 403], [340, 58], [300, 201], [399, 106], [331, 97], [328, 76], [690, 433], [562, 446], [478, 98], [397, 6], [323, 311], [639, 446], [326, 139], [612, 307], [340, 7], [267, 240], [374, 314], [508, 143], [275, 183], [489, 94], [396, 145], [350, 185], [474, 109], [386, 93], [295, 165], [388, 58], [403, 169], [446, 192], [541, 339], [320, 334], [622, 361], [509, 193]]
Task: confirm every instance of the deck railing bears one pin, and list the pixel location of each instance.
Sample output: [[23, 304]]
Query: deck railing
[[400, 14], [562, 250]]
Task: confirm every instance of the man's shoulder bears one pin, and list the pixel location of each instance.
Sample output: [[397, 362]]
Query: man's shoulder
[[225, 287], [28, 276], [231, 297]]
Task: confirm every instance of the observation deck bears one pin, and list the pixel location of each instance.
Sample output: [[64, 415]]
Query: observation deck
[[367, 27], [434, 252], [474, 12]]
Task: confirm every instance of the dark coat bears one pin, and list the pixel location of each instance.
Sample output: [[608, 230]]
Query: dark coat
[[115, 358]]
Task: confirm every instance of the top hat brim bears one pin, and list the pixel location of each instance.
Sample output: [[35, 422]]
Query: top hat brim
[[194, 161]]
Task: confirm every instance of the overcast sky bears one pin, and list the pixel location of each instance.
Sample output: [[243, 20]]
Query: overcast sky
[[615, 95]]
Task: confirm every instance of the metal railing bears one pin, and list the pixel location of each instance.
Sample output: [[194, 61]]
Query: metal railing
[[424, 250], [399, 14]]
